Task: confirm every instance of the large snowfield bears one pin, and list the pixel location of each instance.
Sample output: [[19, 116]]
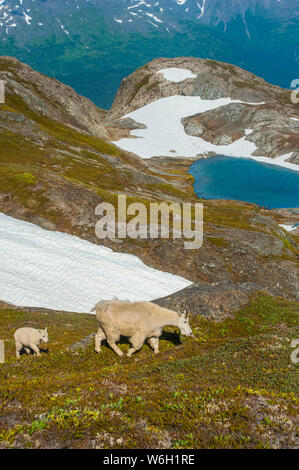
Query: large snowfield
[[164, 134], [41, 268]]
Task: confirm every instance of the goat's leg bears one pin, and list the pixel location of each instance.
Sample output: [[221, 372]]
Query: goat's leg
[[137, 341], [35, 349], [100, 336], [111, 341], [154, 344], [27, 350], [18, 349]]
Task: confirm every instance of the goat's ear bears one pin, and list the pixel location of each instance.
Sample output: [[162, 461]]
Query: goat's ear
[[46, 329]]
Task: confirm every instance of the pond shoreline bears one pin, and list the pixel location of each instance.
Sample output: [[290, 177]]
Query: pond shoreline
[[245, 180]]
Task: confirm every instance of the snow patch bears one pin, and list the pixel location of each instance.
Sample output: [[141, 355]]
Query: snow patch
[[41, 268], [173, 74], [289, 228], [202, 9], [164, 134], [27, 18]]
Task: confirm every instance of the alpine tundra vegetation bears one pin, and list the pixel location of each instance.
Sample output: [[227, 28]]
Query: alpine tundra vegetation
[[232, 386]]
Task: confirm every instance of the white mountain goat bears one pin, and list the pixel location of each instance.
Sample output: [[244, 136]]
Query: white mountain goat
[[30, 338], [137, 321]]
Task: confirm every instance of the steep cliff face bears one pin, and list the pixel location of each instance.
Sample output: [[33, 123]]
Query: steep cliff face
[[46, 97], [261, 113]]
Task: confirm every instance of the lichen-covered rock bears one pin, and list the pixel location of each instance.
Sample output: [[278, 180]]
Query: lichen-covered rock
[[49, 98], [213, 301], [82, 344]]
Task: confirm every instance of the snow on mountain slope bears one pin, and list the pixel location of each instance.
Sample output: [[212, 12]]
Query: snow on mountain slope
[[289, 228], [131, 14], [81, 42], [164, 134], [57, 15], [40, 268]]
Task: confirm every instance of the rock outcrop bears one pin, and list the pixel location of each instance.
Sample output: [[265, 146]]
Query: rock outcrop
[[271, 131], [216, 301], [47, 98], [272, 124]]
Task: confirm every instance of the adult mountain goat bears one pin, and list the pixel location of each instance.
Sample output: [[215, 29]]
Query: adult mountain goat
[[136, 320]]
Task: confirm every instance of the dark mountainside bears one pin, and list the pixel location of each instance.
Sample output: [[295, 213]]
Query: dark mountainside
[[233, 385], [92, 45]]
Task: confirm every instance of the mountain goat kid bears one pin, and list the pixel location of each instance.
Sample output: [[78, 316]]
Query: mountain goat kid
[[30, 338], [137, 321]]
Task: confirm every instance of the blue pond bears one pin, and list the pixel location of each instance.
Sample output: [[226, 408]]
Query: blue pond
[[243, 179]]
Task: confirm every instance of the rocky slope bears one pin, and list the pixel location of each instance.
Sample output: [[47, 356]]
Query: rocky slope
[[46, 97], [54, 175], [272, 124]]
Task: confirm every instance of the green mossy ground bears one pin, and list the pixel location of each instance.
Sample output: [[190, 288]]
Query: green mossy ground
[[233, 385]]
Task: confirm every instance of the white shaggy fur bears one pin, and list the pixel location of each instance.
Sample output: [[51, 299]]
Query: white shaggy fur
[[29, 338], [137, 321]]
